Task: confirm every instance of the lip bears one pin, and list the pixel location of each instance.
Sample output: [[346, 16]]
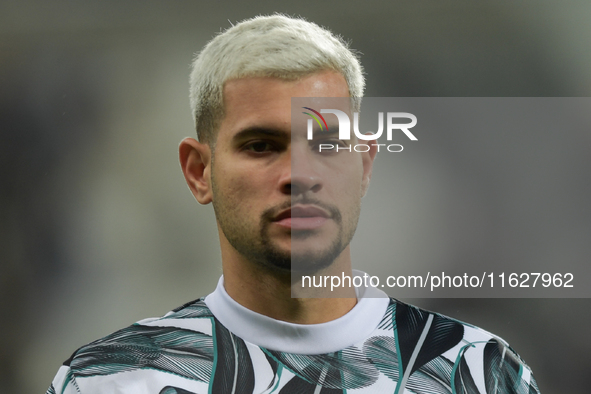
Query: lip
[[302, 217]]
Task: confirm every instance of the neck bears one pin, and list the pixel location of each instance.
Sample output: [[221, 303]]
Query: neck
[[269, 292]]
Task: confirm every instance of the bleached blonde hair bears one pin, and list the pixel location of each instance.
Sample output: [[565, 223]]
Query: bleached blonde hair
[[266, 46]]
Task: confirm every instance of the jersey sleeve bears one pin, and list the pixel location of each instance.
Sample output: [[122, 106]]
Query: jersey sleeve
[[514, 376], [64, 382], [503, 371]]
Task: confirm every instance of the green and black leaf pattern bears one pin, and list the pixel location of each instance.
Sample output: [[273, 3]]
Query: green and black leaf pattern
[[462, 380], [234, 372], [381, 351], [174, 350], [388, 320], [432, 378], [276, 368], [301, 386], [411, 351], [419, 338], [347, 369], [441, 335], [192, 310], [174, 390], [503, 370]]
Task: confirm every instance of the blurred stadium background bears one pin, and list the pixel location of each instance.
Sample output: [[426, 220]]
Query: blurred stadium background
[[98, 230]]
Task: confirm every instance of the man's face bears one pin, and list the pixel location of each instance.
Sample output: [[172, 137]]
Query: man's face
[[277, 199]]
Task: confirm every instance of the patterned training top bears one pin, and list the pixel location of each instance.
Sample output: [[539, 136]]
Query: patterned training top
[[213, 345]]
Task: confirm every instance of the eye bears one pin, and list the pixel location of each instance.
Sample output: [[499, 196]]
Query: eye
[[259, 147]]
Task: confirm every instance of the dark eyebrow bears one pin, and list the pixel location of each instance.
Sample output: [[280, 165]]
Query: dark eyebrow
[[259, 131], [324, 133]]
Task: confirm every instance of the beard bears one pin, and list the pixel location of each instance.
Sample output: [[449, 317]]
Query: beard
[[306, 260], [256, 244]]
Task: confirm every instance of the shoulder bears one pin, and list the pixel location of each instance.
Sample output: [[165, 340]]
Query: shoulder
[[477, 360], [154, 346], [136, 345]]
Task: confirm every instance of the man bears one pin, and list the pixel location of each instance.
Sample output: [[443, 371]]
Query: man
[[283, 206]]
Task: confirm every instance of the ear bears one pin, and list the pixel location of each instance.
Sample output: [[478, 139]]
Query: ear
[[195, 159], [368, 159]]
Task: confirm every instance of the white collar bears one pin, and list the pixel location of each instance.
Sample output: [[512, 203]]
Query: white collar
[[279, 335]]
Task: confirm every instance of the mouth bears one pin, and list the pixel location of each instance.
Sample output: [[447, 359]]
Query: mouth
[[302, 217]]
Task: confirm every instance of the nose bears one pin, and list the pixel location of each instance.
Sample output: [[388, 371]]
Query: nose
[[301, 176]]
